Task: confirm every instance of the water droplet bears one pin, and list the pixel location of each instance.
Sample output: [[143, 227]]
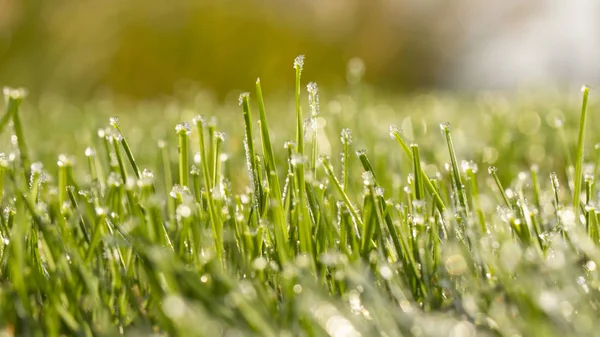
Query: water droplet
[[418, 219], [323, 158], [174, 307], [567, 217], [114, 122], [259, 263], [220, 136], [455, 264], [183, 211], [590, 207], [394, 131], [64, 160], [198, 121], [244, 95], [14, 93], [37, 167], [445, 127], [290, 144], [558, 123], [591, 265], [179, 191], [368, 179], [299, 62], [298, 159], [467, 166], [89, 152], [346, 136], [463, 329], [492, 170], [114, 179], [4, 161], [147, 178], [183, 128], [313, 98], [419, 204], [554, 181], [386, 272], [548, 301], [116, 136], [331, 258]]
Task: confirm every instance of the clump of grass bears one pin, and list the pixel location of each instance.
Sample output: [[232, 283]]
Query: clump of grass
[[278, 244]]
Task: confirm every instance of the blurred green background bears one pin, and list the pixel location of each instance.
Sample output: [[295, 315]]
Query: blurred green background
[[144, 48], [141, 48]]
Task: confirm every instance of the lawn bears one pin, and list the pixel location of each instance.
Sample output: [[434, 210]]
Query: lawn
[[357, 213]]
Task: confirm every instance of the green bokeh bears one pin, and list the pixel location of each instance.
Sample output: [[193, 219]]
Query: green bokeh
[[144, 48]]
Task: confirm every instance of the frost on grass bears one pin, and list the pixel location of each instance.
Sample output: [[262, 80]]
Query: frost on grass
[[445, 275], [183, 128], [219, 136], [114, 122], [313, 99], [199, 120], [65, 160], [445, 127], [368, 179], [299, 62], [468, 166], [89, 152], [243, 96], [14, 93], [346, 136]]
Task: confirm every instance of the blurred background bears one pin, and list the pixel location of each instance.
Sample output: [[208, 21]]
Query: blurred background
[[144, 48]]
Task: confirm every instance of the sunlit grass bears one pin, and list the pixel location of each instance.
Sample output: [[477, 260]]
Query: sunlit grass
[[266, 232]]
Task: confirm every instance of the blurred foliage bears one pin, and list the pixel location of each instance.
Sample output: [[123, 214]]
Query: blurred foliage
[[143, 48]]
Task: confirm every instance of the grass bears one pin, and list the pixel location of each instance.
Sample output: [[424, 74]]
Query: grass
[[208, 234]]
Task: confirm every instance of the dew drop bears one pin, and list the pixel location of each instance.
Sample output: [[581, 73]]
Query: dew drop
[[346, 136], [244, 95], [219, 136], [114, 122], [198, 120], [89, 152], [368, 179], [183, 128], [445, 127], [299, 62]]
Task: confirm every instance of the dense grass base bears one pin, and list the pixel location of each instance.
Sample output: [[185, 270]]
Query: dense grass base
[[248, 236]]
